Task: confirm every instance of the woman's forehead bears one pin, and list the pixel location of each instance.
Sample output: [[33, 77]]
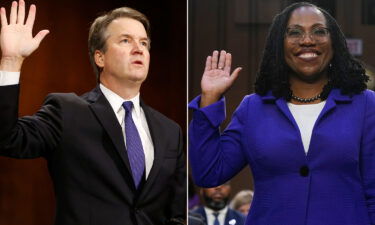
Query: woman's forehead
[[306, 16]]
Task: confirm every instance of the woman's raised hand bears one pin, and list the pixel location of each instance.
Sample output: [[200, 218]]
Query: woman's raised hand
[[217, 79]]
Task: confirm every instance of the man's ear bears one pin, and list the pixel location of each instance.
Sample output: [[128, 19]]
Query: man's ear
[[99, 58]]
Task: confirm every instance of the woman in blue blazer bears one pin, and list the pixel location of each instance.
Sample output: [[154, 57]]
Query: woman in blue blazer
[[308, 132]]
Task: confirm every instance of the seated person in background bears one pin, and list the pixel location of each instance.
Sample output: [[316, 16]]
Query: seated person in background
[[242, 201], [215, 209]]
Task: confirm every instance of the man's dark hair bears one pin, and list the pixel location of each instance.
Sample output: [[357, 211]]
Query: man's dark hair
[[344, 72]]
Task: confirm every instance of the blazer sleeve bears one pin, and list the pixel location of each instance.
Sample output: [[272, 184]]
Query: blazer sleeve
[[29, 136], [367, 155], [216, 157]]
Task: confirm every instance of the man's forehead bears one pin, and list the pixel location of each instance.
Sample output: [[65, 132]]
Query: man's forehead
[[127, 26]]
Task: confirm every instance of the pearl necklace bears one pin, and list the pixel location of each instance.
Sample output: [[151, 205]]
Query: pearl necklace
[[306, 100]]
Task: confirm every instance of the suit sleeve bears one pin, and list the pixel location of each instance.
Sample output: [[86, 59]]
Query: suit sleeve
[[216, 157], [367, 156], [29, 136], [178, 206]]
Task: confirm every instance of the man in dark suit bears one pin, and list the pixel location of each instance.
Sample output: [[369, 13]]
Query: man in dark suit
[[215, 210], [113, 159]]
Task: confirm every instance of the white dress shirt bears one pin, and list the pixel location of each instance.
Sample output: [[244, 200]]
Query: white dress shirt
[[9, 78], [139, 118], [211, 217], [305, 117]]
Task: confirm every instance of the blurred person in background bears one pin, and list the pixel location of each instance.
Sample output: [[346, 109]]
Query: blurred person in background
[[242, 201], [215, 210]]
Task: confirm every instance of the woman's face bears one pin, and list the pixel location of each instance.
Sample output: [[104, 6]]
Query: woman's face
[[307, 43]]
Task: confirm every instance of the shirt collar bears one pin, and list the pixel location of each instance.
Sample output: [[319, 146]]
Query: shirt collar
[[116, 101], [222, 211]]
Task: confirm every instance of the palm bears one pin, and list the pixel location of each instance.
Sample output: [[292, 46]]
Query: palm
[[16, 41], [216, 79], [16, 38]]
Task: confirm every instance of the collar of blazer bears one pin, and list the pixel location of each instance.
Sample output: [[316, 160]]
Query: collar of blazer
[[107, 118], [335, 97]]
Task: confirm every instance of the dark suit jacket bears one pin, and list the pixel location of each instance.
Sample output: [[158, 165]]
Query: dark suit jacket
[[231, 218], [83, 143], [194, 220]]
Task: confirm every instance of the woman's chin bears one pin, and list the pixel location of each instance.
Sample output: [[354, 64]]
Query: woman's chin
[[310, 76]]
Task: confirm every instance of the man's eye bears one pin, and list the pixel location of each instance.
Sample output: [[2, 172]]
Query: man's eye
[[125, 40], [144, 43]]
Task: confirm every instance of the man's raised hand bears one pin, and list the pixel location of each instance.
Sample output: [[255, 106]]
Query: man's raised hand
[[16, 39]]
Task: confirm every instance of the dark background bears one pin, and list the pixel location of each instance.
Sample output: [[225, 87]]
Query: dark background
[[61, 64], [240, 27]]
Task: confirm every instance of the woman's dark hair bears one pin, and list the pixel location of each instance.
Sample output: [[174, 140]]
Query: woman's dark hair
[[345, 72]]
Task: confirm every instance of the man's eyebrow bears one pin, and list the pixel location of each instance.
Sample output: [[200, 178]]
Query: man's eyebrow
[[131, 36]]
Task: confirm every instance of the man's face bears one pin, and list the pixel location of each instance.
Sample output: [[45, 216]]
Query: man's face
[[127, 56], [216, 198]]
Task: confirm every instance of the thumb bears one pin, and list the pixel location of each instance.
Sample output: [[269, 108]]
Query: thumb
[[235, 74], [40, 36]]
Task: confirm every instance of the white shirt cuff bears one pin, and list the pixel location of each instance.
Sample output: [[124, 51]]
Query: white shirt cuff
[[9, 78]]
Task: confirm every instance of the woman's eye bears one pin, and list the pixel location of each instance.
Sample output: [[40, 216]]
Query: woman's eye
[[294, 33], [320, 32]]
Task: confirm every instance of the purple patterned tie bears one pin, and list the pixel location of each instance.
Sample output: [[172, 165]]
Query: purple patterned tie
[[133, 145]]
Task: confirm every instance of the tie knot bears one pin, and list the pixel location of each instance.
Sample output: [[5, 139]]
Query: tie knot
[[128, 105], [216, 214]]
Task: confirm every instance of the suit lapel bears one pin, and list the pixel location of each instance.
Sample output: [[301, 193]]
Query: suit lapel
[[228, 216], [158, 139], [334, 97], [102, 109], [203, 213]]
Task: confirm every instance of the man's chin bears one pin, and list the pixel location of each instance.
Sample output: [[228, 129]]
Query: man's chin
[[137, 78]]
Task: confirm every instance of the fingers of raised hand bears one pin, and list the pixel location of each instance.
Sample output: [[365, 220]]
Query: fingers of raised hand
[[214, 60], [17, 14], [221, 61], [21, 12], [31, 17], [228, 63], [3, 17], [208, 64], [13, 13]]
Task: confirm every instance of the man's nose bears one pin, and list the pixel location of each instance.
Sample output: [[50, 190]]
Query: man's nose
[[137, 48]]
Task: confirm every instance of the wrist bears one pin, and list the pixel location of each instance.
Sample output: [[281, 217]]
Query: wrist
[[208, 99], [11, 64]]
